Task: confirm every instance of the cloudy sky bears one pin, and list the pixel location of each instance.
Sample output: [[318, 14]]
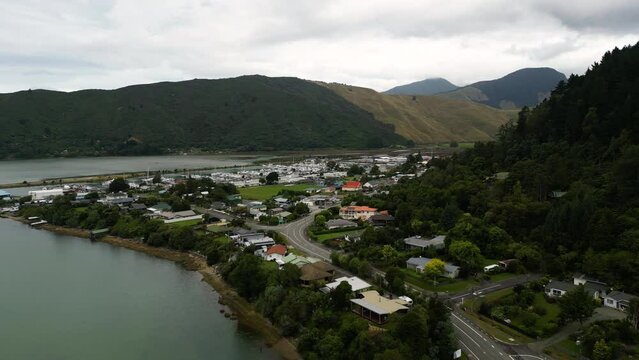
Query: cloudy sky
[[76, 44]]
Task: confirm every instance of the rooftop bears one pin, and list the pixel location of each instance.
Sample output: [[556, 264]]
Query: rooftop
[[373, 301], [356, 283]]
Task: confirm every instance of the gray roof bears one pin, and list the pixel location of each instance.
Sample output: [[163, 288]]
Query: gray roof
[[340, 222], [422, 261], [418, 241], [620, 296], [560, 285]]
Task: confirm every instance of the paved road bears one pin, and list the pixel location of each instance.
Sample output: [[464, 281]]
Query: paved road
[[473, 341]]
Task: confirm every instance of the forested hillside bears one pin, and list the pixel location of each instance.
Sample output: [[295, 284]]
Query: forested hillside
[[245, 113], [584, 141]]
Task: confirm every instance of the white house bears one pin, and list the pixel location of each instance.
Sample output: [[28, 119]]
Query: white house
[[357, 212], [419, 263], [357, 284], [617, 300]]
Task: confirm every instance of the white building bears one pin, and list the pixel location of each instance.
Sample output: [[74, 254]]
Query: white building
[[45, 194]]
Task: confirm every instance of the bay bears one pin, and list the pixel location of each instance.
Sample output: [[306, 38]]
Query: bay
[[15, 171], [67, 298]]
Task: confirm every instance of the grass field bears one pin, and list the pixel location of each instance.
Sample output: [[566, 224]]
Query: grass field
[[334, 235], [502, 276], [266, 192], [187, 223], [563, 350]]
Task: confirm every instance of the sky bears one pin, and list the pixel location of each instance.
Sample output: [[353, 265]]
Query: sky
[[77, 44]]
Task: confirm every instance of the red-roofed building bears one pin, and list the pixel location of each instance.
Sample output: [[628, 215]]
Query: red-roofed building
[[357, 212], [352, 186], [276, 252]]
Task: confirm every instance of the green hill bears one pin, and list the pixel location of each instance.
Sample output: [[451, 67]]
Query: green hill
[[425, 87], [524, 87], [428, 119], [244, 113]]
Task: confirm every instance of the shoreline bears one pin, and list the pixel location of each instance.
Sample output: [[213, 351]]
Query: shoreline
[[228, 297]]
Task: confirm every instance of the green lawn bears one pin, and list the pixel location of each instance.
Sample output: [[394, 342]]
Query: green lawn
[[217, 228], [266, 192], [502, 276], [444, 284], [334, 235], [188, 223], [564, 350]]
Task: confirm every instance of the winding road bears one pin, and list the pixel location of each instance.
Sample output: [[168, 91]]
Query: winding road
[[472, 339]]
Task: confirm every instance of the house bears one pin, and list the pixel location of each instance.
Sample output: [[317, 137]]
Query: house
[[317, 271], [357, 212], [618, 300], [281, 200], [352, 186], [218, 205], [248, 238], [372, 306], [556, 288], [159, 207], [137, 206], [339, 224], [357, 285], [381, 220], [234, 198], [419, 263], [419, 243], [45, 194], [583, 279], [179, 216], [276, 252]]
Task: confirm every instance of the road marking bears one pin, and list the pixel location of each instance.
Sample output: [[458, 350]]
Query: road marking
[[468, 349], [470, 327], [465, 333], [531, 356]]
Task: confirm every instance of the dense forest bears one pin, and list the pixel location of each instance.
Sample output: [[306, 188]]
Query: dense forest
[[244, 113], [558, 190]]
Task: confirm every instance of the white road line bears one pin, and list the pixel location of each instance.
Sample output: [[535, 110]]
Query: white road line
[[465, 333], [531, 356], [470, 327], [468, 349]]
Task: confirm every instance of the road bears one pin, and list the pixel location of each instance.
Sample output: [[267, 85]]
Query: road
[[472, 340]]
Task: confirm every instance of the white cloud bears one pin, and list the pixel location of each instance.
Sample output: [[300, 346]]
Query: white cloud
[[111, 43]]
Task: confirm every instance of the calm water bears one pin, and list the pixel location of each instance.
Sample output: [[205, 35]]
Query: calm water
[[67, 298], [14, 171]]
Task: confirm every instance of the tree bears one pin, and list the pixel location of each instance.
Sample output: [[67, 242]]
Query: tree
[[374, 170], [341, 295], [576, 305], [395, 279], [467, 255], [601, 351], [633, 313], [118, 185], [272, 177], [320, 220], [433, 269], [355, 170], [301, 209], [157, 178]]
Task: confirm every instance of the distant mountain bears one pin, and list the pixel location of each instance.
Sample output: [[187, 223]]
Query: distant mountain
[[244, 113], [425, 87], [428, 119], [525, 87]]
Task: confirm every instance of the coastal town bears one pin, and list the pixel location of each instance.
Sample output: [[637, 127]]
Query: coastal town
[[312, 220]]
